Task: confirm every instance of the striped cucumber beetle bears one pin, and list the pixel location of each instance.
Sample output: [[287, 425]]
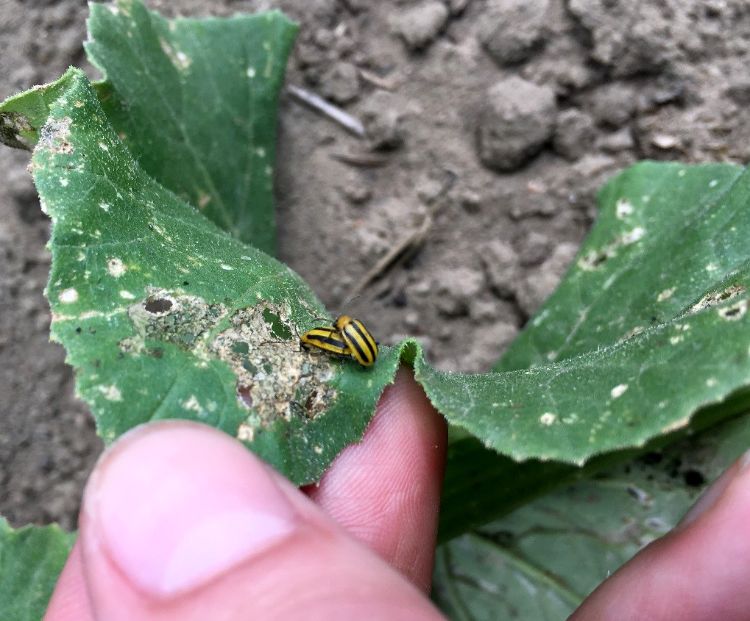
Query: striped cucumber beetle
[[326, 338], [362, 346]]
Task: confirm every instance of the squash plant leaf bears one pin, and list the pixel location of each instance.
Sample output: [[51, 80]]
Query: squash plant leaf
[[539, 562], [649, 325], [31, 559], [164, 315], [195, 101]]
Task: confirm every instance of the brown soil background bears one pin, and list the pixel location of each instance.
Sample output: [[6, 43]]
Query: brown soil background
[[491, 124]]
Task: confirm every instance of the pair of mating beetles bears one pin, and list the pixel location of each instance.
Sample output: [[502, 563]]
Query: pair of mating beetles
[[347, 337]]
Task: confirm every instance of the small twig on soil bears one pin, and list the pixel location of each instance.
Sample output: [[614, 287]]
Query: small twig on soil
[[376, 80], [399, 252], [336, 114], [361, 160]]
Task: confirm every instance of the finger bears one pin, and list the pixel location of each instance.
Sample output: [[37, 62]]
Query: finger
[[179, 521], [385, 491], [698, 572], [70, 602]]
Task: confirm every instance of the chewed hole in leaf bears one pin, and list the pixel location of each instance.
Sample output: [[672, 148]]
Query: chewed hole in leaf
[[12, 125], [173, 317], [694, 478], [593, 260], [245, 395], [734, 312], [717, 297], [157, 305]]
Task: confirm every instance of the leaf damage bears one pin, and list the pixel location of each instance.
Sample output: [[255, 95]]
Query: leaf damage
[[276, 378]]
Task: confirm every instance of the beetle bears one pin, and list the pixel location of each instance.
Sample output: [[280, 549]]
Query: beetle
[[362, 346], [327, 338]]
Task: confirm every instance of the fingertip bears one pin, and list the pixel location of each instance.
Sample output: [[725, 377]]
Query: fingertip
[[697, 572], [69, 601], [385, 490], [182, 522]]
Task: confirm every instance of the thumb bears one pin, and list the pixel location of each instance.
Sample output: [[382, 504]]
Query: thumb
[[180, 521]]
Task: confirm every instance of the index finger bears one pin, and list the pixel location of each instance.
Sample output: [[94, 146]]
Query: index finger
[[386, 490]]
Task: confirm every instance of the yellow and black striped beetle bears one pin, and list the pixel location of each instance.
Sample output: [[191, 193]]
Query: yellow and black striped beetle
[[326, 338], [362, 346], [347, 337]]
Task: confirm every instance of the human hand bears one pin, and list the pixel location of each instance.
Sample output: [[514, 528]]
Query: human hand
[[181, 522]]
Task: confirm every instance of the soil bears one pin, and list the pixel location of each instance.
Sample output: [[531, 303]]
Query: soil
[[490, 126]]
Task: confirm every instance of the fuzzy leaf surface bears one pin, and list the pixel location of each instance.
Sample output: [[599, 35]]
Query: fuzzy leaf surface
[[31, 559], [164, 315], [649, 325], [195, 101]]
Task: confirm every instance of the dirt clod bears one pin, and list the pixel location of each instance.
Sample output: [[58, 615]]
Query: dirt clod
[[418, 26], [512, 29], [574, 134], [340, 83], [518, 117]]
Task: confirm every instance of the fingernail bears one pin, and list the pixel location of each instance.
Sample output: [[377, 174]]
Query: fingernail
[[174, 505], [715, 491]]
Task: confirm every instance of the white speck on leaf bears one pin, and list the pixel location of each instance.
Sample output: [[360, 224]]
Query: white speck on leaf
[[126, 295], [68, 296], [633, 236], [245, 433], [251, 72], [547, 419], [674, 340], [713, 183], [64, 182], [711, 382], [115, 267], [104, 207], [111, 393], [666, 294], [192, 404], [103, 146], [623, 208], [618, 390], [226, 267]]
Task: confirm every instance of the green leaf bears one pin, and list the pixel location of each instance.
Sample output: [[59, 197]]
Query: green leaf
[[649, 325], [164, 315], [31, 559], [195, 101], [23, 115], [539, 563]]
